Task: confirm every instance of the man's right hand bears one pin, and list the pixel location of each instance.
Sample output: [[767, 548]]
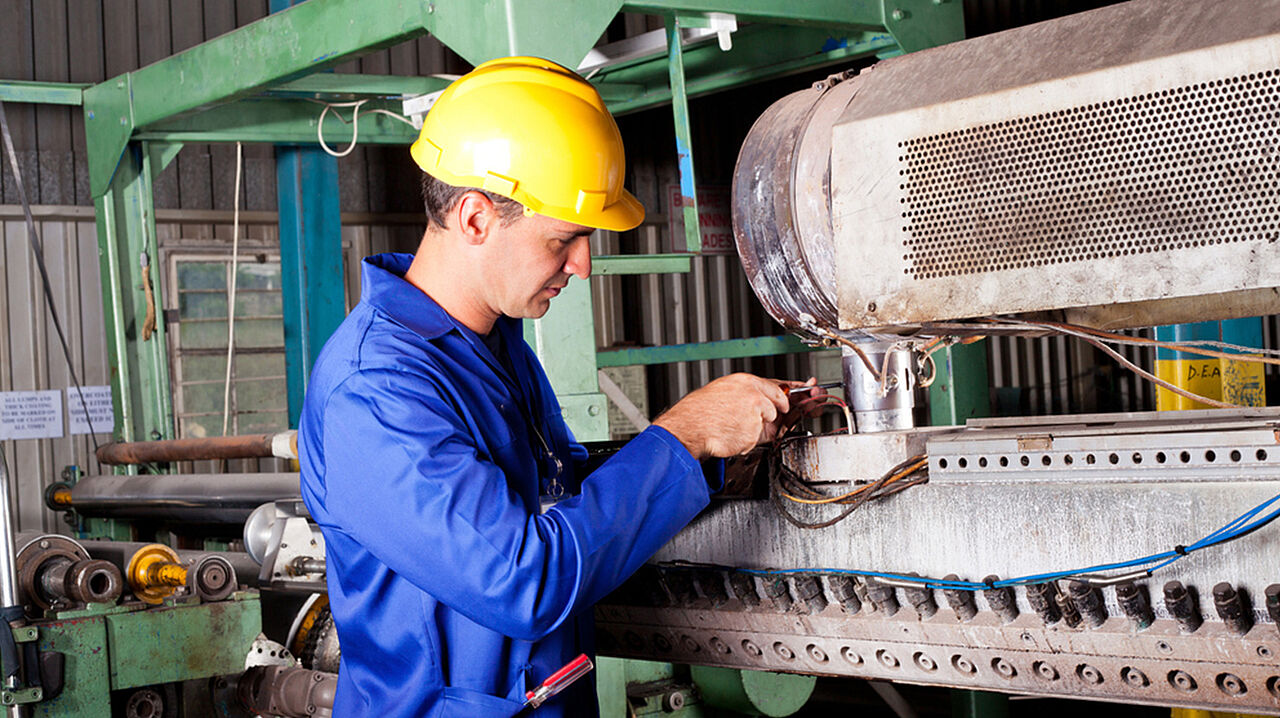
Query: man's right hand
[[728, 416]]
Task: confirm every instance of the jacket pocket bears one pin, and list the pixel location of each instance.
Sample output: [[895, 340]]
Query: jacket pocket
[[466, 703]]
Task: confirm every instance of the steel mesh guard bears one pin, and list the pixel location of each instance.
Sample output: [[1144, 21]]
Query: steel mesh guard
[[1178, 169]]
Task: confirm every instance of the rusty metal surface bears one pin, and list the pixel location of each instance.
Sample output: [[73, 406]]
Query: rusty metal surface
[[217, 447], [1034, 171], [1210, 669], [704, 601], [790, 271]]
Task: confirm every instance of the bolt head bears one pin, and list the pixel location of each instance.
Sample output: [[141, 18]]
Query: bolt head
[[899, 14]]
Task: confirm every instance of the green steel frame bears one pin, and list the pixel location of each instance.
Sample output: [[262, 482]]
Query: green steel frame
[[255, 84]]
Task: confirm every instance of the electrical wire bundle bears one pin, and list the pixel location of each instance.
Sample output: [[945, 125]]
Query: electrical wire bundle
[[787, 486]]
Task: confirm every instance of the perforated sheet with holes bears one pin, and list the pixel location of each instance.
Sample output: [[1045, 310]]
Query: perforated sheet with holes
[[1151, 180], [1180, 169]]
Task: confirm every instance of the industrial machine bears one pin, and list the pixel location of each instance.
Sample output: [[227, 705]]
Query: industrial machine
[[1108, 170]]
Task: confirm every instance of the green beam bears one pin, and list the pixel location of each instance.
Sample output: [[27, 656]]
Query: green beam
[[282, 121], [42, 93], [641, 264], [831, 13], [727, 349], [759, 53], [334, 86], [915, 24], [304, 39]]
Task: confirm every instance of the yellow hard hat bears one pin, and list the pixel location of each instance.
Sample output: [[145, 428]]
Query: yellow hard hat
[[536, 132]]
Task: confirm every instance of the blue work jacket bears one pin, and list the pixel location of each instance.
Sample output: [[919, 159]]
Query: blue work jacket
[[452, 594]]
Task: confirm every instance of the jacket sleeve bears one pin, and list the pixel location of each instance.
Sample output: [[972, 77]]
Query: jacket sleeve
[[404, 478]]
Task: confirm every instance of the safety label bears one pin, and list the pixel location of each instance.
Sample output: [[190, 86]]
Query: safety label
[[714, 219], [31, 414], [100, 419]]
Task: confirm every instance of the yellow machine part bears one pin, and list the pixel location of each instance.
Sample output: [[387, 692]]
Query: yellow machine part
[[155, 572]]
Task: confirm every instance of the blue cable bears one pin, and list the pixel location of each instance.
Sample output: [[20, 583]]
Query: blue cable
[[1236, 528]]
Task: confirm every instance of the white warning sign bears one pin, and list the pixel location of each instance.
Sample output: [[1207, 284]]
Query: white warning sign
[[31, 414], [100, 415]]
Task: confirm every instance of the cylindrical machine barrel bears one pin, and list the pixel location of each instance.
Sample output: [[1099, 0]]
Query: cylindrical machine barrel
[[200, 498], [56, 572], [287, 691], [283, 445], [157, 570], [782, 205], [243, 568]]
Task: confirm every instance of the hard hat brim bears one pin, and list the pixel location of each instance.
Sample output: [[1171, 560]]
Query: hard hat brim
[[627, 213]]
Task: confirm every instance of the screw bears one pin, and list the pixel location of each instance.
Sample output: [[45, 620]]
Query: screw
[[1134, 677], [593, 410], [899, 14], [784, 651], [887, 659], [1089, 674], [1231, 685], [1004, 668], [1182, 681], [851, 656], [1045, 671], [963, 665]]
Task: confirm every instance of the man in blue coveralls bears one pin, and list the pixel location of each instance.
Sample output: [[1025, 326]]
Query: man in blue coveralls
[[430, 432]]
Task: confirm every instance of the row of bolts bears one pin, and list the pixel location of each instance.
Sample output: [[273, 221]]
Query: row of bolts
[[1079, 604]]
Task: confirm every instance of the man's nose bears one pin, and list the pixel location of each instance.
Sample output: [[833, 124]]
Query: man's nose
[[578, 263]]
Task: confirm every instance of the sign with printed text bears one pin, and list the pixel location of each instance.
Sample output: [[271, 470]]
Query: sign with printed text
[[31, 414], [100, 416], [714, 219]]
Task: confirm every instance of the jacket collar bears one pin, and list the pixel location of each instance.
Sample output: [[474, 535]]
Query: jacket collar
[[385, 289]]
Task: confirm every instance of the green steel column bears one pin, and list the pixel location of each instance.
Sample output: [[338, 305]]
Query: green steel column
[[961, 390], [126, 237], [684, 138], [565, 342]]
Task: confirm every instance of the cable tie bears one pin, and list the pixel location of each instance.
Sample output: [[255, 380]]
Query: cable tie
[[990, 583], [1180, 550]]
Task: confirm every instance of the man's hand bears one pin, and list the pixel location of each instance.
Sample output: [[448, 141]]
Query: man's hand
[[729, 416]]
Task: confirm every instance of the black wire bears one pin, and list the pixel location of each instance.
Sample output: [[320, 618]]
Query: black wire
[[782, 480], [37, 248]]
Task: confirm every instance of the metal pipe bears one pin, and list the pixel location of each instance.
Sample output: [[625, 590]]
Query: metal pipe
[[8, 574], [204, 498], [282, 445], [119, 552], [882, 403]]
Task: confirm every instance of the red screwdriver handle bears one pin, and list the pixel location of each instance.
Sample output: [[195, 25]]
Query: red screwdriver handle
[[559, 680]]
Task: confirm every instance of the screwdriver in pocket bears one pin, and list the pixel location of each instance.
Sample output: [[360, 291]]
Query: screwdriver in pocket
[[558, 681]]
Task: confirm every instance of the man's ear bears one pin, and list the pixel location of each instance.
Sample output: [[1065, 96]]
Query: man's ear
[[475, 217]]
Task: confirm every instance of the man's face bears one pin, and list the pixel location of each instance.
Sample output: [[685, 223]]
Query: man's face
[[533, 260]]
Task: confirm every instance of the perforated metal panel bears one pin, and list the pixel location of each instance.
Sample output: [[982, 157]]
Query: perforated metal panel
[[1083, 163], [1181, 169]]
